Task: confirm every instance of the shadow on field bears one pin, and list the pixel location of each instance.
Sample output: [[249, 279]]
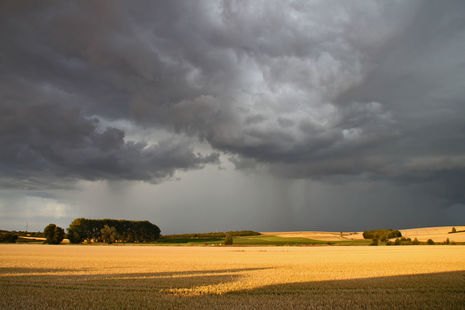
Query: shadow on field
[[4, 270], [445, 290], [426, 283], [51, 273], [124, 282]]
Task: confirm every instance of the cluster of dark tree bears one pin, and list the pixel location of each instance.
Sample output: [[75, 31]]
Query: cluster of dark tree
[[431, 242], [213, 235], [408, 241], [109, 230], [381, 234], [8, 237], [54, 234], [403, 241]]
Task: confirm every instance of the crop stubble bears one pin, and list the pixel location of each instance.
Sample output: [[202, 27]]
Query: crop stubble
[[166, 277]]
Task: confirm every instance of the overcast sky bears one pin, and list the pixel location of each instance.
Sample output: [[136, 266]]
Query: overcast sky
[[225, 115]]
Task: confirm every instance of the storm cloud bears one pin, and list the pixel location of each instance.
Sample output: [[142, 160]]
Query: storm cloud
[[44, 142], [324, 90]]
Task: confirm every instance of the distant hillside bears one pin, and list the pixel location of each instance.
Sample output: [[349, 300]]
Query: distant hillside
[[437, 234]]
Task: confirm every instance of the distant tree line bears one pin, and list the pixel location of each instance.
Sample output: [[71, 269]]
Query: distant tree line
[[408, 241], [8, 237], [403, 241], [109, 230], [18, 236], [381, 234]]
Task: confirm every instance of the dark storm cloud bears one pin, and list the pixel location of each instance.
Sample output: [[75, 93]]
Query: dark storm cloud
[[311, 89], [44, 142]]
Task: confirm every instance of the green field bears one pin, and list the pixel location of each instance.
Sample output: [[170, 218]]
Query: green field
[[258, 240], [275, 240]]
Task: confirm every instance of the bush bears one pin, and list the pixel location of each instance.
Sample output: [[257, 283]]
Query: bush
[[453, 230], [53, 234], [430, 242], [8, 237], [415, 241], [228, 240], [374, 242]]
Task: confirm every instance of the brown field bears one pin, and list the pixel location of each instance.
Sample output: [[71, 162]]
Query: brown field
[[437, 234], [159, 277]]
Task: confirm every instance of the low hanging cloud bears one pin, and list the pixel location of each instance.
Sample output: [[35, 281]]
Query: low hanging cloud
[[307, 89]]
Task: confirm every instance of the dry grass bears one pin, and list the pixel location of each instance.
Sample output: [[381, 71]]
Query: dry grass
[[158, 277], [437, 234]]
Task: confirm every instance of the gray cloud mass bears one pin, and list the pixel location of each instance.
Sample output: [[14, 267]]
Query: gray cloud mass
[[43, 142], [306, 89]]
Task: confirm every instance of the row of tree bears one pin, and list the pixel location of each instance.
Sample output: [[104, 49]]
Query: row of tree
[[109, 230], [105, 230]]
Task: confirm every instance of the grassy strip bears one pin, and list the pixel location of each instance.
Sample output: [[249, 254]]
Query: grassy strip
[[258, 240], [275, 240], [189, 240]]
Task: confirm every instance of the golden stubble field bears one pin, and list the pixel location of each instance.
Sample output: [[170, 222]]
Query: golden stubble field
[[437, 234], [171, 277]]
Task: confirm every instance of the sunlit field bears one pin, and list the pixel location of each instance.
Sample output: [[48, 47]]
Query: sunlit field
[[437, 234], [167, 277]]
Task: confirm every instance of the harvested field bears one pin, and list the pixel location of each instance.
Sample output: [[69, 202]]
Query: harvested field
[[437, 234], [167, 277]]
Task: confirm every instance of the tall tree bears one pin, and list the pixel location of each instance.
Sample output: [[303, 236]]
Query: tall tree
[[54, 234], [109, 234]]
